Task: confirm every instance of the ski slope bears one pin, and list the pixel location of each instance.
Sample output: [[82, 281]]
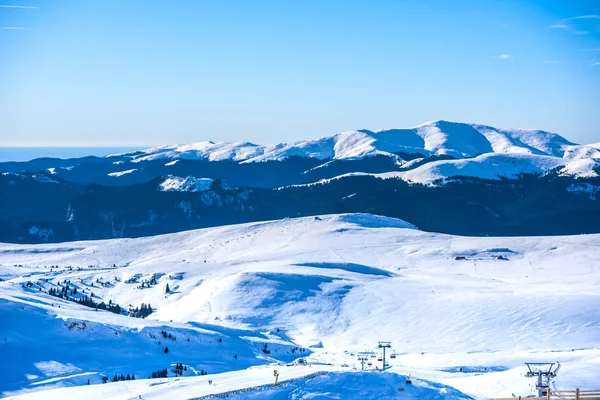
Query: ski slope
[[460, 319]]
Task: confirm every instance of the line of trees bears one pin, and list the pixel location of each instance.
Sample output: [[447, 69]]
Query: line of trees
[[122, 377], [179, 368], [161, 373], [142, 312], [86, 300]]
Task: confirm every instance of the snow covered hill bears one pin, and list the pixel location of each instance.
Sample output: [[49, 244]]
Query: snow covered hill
[[462, 312]]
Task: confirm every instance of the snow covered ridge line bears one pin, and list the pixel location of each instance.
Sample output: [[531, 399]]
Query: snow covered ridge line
[[459, 140], [121, 173], [486, 166]]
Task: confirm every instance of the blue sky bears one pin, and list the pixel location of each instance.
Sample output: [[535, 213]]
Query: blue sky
[[116, 72]]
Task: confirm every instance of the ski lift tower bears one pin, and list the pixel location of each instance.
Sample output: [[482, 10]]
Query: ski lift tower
[[384, 345], [362, 359], [544, 372]]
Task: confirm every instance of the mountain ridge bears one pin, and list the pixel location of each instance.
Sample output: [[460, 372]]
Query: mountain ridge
[[457, 139]]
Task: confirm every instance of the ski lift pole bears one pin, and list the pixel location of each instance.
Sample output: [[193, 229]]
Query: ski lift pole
[[384, 345], [362, 360]]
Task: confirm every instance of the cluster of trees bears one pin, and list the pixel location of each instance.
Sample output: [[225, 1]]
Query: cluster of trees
[[85, 300], [168, 335], [122, 377], [142, 312], [298, 349], [179, 368], [266, 349], [145, 284], [161, 373], [64, 291]]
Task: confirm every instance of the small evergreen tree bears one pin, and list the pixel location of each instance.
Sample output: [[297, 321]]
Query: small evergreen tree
[[166, 349], [167, 289]]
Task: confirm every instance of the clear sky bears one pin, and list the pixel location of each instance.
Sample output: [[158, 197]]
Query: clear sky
[[145, 72]]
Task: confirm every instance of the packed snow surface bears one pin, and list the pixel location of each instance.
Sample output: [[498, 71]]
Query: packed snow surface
[[462, 314]]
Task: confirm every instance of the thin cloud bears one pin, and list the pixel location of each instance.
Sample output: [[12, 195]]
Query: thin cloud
[[566, 25], [17, 28], [592, 16], [596, 64], [502, 57], [22, 7]]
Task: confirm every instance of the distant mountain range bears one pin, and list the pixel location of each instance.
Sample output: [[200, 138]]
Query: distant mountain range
[[445, 176]]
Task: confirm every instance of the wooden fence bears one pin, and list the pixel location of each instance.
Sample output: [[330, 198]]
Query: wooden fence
[[576, 394]]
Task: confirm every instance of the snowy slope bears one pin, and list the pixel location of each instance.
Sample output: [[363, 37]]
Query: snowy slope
[[333, 385], [121, 173], [495, 166], [337, 284], [459, 140], [488, 166], [188, 184]]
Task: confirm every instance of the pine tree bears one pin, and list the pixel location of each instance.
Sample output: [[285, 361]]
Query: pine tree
[[167, 289], [166, 349]]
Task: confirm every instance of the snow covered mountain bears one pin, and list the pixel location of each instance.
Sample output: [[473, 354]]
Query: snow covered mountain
[[181, 187], [463, 314], [522, 150], [459, 140], [435, 146]]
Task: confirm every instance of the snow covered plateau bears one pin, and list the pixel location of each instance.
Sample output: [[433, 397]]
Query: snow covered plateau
[[237, 302]]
